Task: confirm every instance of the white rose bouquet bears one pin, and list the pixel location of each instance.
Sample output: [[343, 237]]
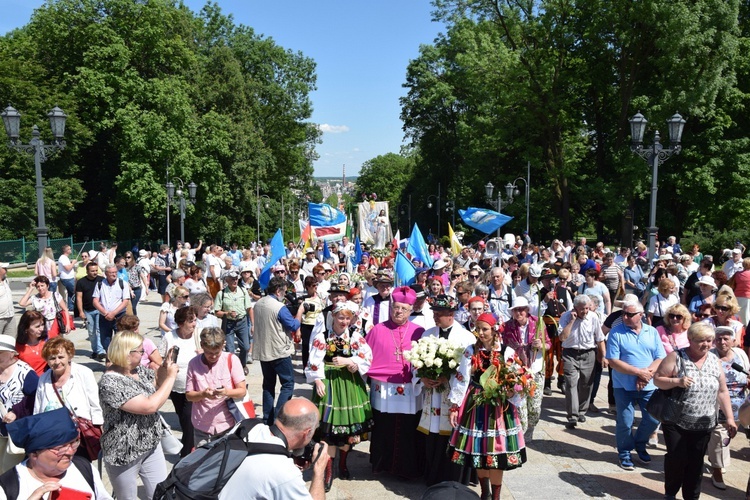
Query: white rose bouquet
[[434, 357]]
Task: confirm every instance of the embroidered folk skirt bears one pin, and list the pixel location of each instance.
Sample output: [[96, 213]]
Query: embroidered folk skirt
[[345, 409], [487, 436]]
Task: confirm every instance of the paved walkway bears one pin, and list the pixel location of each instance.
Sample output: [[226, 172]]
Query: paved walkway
[[579, 463]]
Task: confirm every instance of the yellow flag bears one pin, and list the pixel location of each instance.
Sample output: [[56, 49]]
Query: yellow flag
[[455, 244]]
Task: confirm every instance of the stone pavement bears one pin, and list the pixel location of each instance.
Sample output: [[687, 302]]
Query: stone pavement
[[579, 463]]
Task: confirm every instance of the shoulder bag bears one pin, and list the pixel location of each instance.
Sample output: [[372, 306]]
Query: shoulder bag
[[666, 405]]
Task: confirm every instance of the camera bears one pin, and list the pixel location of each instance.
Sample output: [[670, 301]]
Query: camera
[[175, 353], [309, 307], [305, 457]]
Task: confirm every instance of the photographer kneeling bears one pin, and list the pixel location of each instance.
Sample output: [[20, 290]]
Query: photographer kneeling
[[277, 476]]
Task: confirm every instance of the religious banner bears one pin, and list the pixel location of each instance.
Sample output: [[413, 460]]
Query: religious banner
[[374, 224]]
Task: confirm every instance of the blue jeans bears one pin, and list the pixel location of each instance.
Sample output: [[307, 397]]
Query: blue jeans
[[237, 331], [271, 369], [136, 297], [107, 329], [70, 287], [626, 441], [92, 324]]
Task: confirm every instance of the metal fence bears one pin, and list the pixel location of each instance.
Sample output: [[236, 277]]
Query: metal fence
[[23, 250]]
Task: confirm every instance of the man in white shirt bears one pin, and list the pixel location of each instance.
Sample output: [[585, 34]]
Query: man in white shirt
[[7, 322], [309, 262], [111, 298], [66, 269], [267, 475], [734, 264]]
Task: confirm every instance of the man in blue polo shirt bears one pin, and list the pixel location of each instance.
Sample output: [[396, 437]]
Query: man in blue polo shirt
[[634, 351]]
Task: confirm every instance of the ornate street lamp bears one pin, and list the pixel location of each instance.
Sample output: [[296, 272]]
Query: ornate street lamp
[[655, 155], [12, 122], [171, 192]]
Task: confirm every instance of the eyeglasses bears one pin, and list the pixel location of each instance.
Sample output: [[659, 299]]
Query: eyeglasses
[[183, 296], [139, 351], [461, 293], [703, 316], [721, 308], [59, 450], [280, 272], [630, 315], [675, 316], [474, 276], [455, 275]]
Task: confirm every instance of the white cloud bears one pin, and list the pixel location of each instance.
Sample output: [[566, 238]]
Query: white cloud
[[333, 129]]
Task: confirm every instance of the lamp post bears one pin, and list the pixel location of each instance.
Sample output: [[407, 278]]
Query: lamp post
[[12, 122], [192, 188], [405, 209], [515, 192], [499, 203], [437, 206], [450, 206], [655, 155]]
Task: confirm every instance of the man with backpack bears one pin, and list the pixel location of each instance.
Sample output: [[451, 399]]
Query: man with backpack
[[110, 298], [266, 475]]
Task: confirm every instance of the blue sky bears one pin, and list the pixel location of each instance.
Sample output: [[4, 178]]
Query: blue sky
[[361, 49]]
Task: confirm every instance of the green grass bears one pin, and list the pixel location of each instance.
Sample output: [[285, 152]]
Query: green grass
[[20, 273]]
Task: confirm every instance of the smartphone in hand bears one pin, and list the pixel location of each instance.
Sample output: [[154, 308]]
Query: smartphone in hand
[[175, 353]]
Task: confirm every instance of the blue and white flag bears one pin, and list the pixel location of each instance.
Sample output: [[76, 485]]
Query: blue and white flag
[[486, 221], [405, 271], [417, 248], [275, 254], [327, 223]]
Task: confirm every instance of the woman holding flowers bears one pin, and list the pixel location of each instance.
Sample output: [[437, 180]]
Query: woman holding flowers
[[489, 386], [337, 366], [528, 338]]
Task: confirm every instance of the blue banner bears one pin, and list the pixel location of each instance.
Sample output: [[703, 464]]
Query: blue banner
[[357, 257], [276, 252], [405, 271], [483, 219], [417, 248]]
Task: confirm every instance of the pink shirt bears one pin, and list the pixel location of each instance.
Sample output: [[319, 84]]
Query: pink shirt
[[148, 349], [384, 340], [212, 415], [671, 341]]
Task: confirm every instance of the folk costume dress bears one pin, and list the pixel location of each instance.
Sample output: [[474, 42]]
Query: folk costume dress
[[345, 409], [519, 338], [487, 436]]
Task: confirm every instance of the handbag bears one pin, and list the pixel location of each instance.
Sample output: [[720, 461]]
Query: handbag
[[62, 319], [12, 449], [169, 443], [91, 434], [666, 405]]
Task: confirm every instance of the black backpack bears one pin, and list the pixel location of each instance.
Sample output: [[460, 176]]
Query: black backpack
[[204, 473]]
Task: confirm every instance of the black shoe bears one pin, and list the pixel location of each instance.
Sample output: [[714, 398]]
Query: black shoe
[[582, 418], [561, 385], [101, 356], [548, 391], [571, 424]]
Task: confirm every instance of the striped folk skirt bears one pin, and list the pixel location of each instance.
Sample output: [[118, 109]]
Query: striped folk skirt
[[345, 409]]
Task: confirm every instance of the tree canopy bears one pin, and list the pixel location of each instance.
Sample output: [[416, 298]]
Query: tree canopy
[[150, 86], [554, 83]]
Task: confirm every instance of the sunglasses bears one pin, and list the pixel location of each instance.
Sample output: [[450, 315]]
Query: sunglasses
[[721, 308], [474, 276], [630, 315], [703, 316], [675, 316]]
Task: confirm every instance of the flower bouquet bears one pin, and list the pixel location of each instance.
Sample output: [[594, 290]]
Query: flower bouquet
[[505, 381], [434, 357]]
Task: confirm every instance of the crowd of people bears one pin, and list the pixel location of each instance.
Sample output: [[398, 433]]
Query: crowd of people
[[539, 317]]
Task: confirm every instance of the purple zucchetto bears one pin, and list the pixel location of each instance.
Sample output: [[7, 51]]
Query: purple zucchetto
[[404, 295]]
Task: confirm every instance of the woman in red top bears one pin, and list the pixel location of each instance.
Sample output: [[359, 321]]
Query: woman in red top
[[30, 339]]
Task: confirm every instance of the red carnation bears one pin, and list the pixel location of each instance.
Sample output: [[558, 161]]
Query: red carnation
[[400, 390]]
